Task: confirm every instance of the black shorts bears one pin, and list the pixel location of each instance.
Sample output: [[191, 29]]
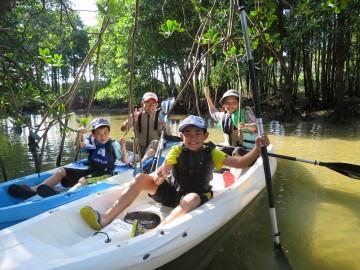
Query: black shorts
[[73, 176], [168, 195]]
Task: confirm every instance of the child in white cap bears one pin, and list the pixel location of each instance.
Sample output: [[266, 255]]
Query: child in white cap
[[149, 125]]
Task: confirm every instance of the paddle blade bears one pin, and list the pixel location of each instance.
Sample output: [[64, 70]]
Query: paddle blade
[[166, 104], [350, 170]]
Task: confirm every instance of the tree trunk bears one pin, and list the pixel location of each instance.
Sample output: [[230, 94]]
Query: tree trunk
[[339, 114]]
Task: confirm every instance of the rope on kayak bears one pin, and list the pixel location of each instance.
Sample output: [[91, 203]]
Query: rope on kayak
[[108, 240]]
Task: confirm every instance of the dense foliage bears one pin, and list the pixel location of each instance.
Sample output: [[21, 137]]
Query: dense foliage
[[50, 62], [299, 46]]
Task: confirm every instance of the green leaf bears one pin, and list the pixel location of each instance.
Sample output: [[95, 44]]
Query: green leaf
[[61, 109], [101, 8], [84, 121], [112, 8]]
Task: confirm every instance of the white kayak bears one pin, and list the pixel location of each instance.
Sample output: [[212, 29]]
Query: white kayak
[[60, 239]]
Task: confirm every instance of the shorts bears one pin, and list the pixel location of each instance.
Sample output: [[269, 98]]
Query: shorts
[[73, 176], [168, 195]]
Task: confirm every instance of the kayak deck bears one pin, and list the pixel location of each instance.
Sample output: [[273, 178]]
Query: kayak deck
[[59, 238]]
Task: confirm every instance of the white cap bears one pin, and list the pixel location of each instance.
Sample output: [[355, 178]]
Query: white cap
[[229, 93], [149, 95]]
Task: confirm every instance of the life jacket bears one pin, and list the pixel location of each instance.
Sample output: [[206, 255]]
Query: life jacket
[[246, 139], [194, 170], [101, 156], [149, 129], [248, 136]]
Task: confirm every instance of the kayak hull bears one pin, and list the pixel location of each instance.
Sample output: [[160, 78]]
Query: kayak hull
[[14, 210], [60, 239]]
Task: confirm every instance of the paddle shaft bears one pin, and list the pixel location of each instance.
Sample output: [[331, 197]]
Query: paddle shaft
[[156, 161], [295, 159], [264, 154], [347, 169]]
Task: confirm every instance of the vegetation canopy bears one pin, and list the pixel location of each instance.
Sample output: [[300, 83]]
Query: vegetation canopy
[[50, 62]]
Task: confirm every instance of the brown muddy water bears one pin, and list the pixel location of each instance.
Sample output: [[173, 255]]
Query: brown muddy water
[[318, 210]]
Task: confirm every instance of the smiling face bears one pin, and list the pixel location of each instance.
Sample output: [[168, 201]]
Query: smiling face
[[231, 104], [101, 134], [149, 106], [194, 137]]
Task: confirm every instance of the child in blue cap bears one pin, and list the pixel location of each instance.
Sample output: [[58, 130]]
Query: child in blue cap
[[183, 181], [103, 153]]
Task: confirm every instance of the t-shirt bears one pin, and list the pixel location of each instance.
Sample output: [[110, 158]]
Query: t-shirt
[[218, 156]]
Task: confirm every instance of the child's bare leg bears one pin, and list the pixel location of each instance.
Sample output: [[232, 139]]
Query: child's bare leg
[[141, 182], [54, 179], [188, 203], [148, 154], [82, 182]]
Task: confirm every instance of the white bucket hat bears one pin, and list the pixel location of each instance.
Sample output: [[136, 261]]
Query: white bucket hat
[[229, 93]]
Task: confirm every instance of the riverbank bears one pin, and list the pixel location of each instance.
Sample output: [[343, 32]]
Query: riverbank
[[271, 110]]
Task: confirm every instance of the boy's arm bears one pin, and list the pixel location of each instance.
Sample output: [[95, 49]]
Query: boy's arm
[[79, 138], [124, 157], [125, 124], [245, 161], [162, 172]]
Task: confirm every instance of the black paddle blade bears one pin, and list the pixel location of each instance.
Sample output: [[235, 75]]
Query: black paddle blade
[[350, 170], [281, 260]]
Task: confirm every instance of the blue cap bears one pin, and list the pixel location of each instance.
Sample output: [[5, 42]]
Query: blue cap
[[98, 122], [192, 120]]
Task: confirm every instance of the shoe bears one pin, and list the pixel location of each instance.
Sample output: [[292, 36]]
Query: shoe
[[46, 191], [137, 229], [91, 217], [21, 191]]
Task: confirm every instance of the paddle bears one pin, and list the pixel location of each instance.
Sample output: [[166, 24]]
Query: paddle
[[347, 169], [264, 154], [166, 104]]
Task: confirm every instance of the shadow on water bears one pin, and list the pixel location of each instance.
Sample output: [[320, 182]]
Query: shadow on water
[[306, 220], [319, 217], [225, 248]]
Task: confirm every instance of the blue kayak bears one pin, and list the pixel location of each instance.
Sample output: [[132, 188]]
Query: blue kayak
[[14, 210]]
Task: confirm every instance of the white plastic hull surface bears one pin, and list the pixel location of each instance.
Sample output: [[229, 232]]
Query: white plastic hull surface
[[59, 239]]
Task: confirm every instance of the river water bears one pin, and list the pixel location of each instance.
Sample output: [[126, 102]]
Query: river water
[[318, 210]]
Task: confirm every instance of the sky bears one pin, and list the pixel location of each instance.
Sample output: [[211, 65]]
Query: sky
[[87, 16]]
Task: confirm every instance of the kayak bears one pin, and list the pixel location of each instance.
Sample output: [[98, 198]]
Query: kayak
[[14, 210], [60, 239]]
